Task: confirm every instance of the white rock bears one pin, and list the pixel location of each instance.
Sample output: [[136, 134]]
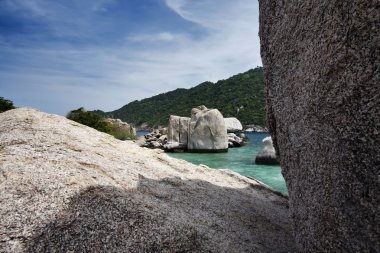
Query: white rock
[[178, 129], [207, 131], [233, 125], [267, 154]]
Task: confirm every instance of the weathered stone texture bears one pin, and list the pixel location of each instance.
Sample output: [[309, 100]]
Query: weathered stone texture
[[178, 129], [321, 62], [233, 125], [65, 187], [207, 131]]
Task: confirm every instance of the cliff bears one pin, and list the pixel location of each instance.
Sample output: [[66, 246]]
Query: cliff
[[321, 69], [66, 187]]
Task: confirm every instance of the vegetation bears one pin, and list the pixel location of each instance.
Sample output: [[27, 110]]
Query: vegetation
[[240, 96], [99, 123], [5, 105]]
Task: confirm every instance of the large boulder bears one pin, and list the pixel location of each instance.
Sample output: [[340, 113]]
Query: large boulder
[[207, 131], [66, 187], [321, 62], [233, 125], [267, 153], [178, 130]]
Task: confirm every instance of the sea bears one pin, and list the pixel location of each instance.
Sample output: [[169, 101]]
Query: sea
[[240, 160]]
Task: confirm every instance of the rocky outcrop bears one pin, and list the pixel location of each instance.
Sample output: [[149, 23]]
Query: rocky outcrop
[[321, 62], [207, 131], [156, 139], [233, 125], [206, 138], [235, 141], [178, 130], [121, 126], [267, 153], [66, 187]]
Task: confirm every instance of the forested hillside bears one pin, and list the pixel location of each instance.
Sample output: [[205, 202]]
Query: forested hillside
[[240, 96]]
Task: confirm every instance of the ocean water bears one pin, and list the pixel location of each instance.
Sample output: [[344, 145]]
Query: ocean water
[[240, 160]]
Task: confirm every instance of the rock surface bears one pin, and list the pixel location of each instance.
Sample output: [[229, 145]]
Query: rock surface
[[122, 125], [321, 62], [267, 153], [235, 141], [156, 139], [207, 131], [178, 129], [233, 125], [65, 187]]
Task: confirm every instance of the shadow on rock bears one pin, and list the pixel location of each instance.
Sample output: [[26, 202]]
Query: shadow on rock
[[170, 215]]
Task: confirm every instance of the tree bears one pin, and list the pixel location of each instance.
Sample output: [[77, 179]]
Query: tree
[[240, 96], [5, 105]]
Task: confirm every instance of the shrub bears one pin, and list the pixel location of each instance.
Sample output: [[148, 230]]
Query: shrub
[[89, 119], [5, 105], [99, 123], [123, 135]]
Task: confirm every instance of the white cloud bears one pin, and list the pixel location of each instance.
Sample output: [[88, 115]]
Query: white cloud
[[155, 37], [32, 6], [63, 77]]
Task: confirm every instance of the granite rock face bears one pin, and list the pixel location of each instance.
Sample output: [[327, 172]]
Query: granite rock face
[[65, 187], [233, 125], [321, 63], [207, 131], [267, 153], [178, 129]]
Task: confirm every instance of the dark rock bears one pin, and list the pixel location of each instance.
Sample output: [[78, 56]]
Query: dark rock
[[321, 63]]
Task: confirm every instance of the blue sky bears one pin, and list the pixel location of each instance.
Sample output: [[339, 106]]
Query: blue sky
[[102, 54]]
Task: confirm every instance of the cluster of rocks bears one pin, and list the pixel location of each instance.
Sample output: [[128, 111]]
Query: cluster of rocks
[[256, 128], [235, 141], [156, 139], [234, 127], [205, 131]]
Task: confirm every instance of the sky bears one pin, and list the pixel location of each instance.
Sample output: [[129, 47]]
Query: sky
[[57, 56]]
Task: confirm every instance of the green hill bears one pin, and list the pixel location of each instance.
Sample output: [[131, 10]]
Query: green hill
[[240, 96]]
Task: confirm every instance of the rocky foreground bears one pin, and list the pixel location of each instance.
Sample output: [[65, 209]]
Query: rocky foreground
[[65, 187]]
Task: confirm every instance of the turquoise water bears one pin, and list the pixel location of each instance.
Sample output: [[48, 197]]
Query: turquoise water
[[242, 161]]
